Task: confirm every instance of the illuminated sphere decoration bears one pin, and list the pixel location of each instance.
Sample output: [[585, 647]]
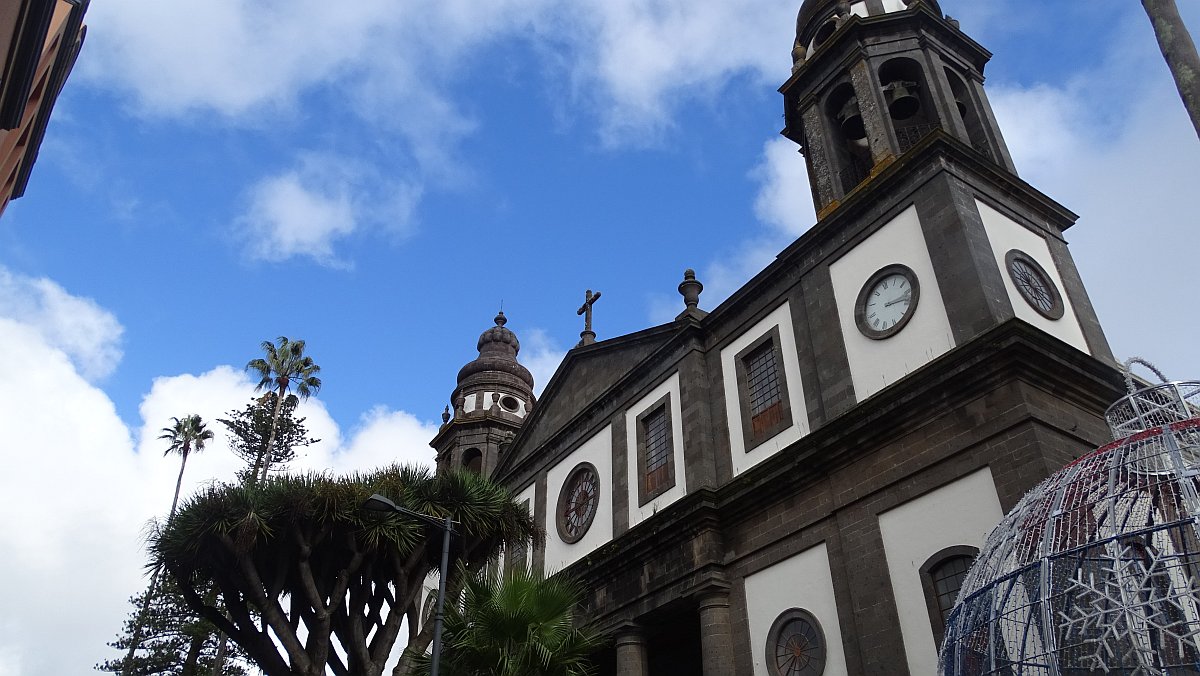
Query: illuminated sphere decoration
[[1097, 569]]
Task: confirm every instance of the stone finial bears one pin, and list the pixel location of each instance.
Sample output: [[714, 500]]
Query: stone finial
[[495, 407], [953, 22], [501, 320], [446, 416], [459, 403], [690, 289]]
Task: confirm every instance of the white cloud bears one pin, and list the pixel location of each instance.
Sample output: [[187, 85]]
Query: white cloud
[[638, 61], [626, 56], [382, 437], [80, 488], [542, 355], [88, 334], [306, 210], [269, 51], [783, 204], [1134, 240], [784, 200], [72, 506]]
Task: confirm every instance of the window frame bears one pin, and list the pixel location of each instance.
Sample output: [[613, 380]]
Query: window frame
[[749, 438], [936, 623], [563, 497], [645, 495], [773, 636]]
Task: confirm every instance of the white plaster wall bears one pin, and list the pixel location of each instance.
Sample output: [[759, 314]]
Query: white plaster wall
[[894, 6], [429, 588], [530, 494], [875, 364], [742, 461], [802, 581], [483, 399], [598, 451], [1006, 234], [959, 513], [638, 514]]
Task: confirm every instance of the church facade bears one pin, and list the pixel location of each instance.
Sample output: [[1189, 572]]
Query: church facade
[[794, 482]]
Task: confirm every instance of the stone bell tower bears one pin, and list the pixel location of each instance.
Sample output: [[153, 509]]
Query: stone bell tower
[[871, 79], [492, 399], [887, 104]]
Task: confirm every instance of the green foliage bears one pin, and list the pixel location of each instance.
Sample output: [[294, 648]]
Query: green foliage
[[281, 367], [250, 430], [186, 435], [172, 636], [285, 365], [516, 624], [300, 550]]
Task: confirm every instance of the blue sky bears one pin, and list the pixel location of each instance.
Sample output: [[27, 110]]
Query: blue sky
[[377, 179]]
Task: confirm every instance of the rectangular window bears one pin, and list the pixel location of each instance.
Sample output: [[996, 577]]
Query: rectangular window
[[656, 451], [762, 388]]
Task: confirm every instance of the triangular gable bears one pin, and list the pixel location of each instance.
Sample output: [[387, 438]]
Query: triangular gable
[[585, 374]]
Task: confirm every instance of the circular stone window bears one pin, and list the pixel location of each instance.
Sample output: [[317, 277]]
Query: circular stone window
[[510, 404], [887, 301], [577, 502], [1034, 284], [796, 645]]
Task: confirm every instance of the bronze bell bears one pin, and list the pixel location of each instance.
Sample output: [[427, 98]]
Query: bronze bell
[[850, 117], [962, 107], [902, 99]]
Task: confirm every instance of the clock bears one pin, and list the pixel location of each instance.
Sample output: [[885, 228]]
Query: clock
[[887, 301], [578, 501], [1034, 285]]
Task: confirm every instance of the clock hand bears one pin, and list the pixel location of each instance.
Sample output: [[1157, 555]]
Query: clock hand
[[905, 297]]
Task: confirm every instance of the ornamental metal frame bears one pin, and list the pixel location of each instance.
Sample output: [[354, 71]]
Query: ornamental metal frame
[[1097, 569]]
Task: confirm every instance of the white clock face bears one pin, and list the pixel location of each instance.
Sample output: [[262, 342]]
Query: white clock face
[[888, 302]]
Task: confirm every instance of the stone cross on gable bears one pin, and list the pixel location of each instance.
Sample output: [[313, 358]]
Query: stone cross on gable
[[587, 336]]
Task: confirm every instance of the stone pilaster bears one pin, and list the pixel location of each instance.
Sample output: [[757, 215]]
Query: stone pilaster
[[818, 154], [716, 635]]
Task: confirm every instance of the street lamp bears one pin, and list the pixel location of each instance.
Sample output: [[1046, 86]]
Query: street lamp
[[378, 503]]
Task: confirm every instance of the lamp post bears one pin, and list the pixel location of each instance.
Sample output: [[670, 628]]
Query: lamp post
[[378, 503]]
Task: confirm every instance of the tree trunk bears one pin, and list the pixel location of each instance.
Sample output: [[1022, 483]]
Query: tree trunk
[[193, 655], [219, 661], [135, 637], [1179, 51], [266, 454], [178, 484]]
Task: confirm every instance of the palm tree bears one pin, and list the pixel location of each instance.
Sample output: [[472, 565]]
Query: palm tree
[[284, 366], [186, 435], [1179, 51], [516, 624]]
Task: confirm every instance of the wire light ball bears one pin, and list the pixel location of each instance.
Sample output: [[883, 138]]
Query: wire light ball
[[1097, 569]]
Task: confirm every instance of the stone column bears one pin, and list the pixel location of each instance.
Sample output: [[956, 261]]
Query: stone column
[[716, 637], [873, 108], [631, 652]]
